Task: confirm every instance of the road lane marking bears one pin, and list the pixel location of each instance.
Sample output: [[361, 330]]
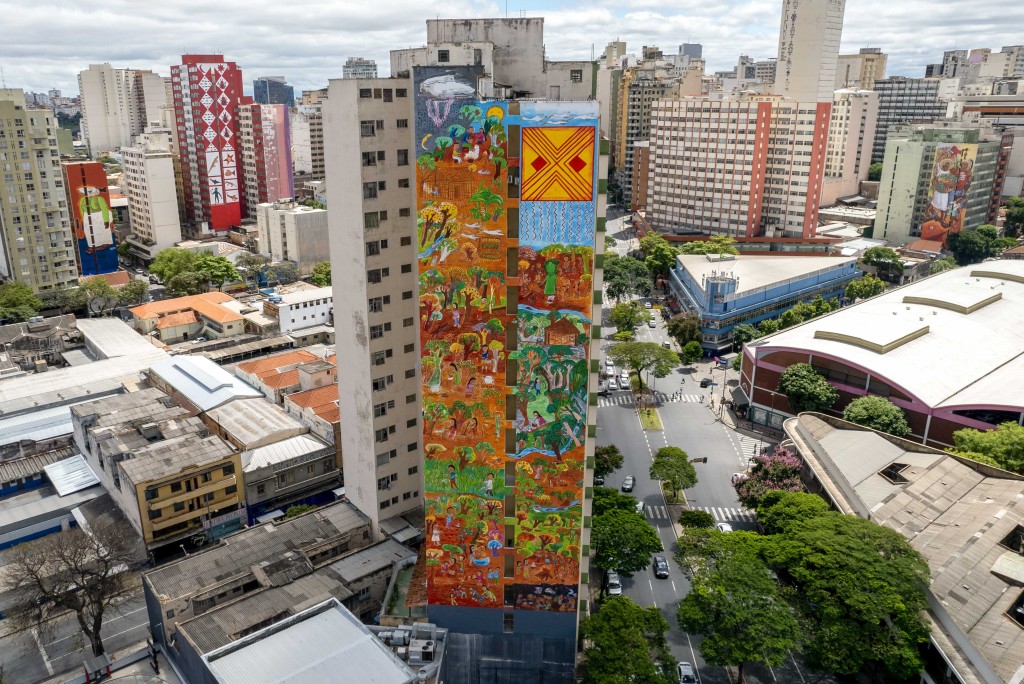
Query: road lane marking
[[674, 590], [652, 592], [105, 623], [42, 651]]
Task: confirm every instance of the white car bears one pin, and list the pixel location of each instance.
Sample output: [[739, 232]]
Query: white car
[[724, 527], [614, 583], [652, 324], [648, 305], [609, 363], [613, 384], [641, 507], [624, 379]]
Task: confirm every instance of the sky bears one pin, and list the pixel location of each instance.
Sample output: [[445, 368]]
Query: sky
[[45, 44]]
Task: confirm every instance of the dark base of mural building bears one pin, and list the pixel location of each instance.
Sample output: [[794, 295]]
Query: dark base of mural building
[[541, 648]]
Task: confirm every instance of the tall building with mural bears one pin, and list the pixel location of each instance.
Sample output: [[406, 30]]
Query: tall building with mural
[[207, 91], [507, 202], [91, 217]]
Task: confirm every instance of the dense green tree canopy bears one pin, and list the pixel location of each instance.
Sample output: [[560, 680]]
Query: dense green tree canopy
[[684, 329], [875, 171], [626, 276], [626, 642], [644, 356], [1014, 222], [692, 517], [778, 510], [218, 269], [716, 244], [321, 275], [608, 499], [767, 327], [974, 245], [172, 261], [743, 333], [1004, 445], [692, 352], [943, 264], [100, 297], [624, 541], [885, 259], [188, 283], [877, 413], [607, 459], [133, 293], [865, 287], [17, 302], [672, 466], [659, 255], [628, 316], [806, 390]]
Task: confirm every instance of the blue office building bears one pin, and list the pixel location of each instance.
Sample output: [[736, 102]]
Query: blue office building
[[273, 90], [728, 290]]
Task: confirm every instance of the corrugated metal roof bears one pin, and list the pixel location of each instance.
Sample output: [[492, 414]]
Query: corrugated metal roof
[[71, 475], [279, 452], [36, 425], [313, 647], [202, 381], [255, 422], [30, 466]]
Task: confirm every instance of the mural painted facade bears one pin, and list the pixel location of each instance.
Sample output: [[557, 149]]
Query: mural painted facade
[[91, 217], [506, 220], [952, 174]]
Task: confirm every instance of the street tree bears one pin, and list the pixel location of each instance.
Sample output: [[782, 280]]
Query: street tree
[[187, 283], [74, 570], [779, 510], [66, 299], [777, 471], [767, 327], [877, 413], [628, 274], [100, 297], [321, 275], [607, 459], [284, 272], [623, 541], [608, 499], [133, 292], [1004, 445], [250, 264], [806, 390], [218, 269], [875, 172], [886, 260], [974, 245], [659, 255], [865, 287], [672, 466], [698, 519], [626, 643], [684, 329], [743, 333], [1014, 222], [716, 244], [741, 612], [692, 351], [17, 302], [789, 318], [628, 316], [861, 594], [172, 261], [644, 356], [943, 264]]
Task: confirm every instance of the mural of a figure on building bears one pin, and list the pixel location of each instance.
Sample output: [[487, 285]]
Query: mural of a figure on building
[[551, 280], [97, 220]]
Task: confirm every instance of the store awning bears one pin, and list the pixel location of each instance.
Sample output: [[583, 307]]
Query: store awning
[[270, 515]]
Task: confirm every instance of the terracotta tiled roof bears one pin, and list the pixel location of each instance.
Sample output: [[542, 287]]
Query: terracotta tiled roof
[[275, 380], [1019, 249], [175, 319], [115, 279], [925, 246], [323, 401], [206, 304], [272, 363]]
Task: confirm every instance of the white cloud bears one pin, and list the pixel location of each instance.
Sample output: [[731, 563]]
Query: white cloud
[[45, 45]]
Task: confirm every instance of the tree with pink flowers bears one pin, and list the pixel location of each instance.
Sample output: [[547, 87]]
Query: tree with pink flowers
[[774, 472]]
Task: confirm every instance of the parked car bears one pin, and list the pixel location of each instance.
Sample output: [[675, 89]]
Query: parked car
[[628, 483], [687, 675], [652, 324], [724, 527], [737, 477], [599, 480], [609, 363], [666, 345], [624, 379], [648, 305], [706, 382], [660, 567], [613, 384], [613, 584]]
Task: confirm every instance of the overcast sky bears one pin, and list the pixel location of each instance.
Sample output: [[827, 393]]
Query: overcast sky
[[45, 44]]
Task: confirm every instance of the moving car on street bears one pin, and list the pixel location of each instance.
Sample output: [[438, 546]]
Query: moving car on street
[[706, 382], [660, 567], [724, 527], [628, 483], [613, 583], [687, 675]]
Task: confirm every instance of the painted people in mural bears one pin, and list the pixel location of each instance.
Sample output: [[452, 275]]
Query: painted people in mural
[[488, 464], [952, 173]]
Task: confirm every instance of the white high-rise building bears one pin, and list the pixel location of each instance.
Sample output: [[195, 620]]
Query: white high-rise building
[[292, 232], [118, 104], [851, 133], [152, 194], [357, 67], [809, 49]]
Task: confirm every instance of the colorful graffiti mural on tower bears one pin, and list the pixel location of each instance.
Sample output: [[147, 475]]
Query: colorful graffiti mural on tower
[[506, 196], [951, 178], [91, 217]]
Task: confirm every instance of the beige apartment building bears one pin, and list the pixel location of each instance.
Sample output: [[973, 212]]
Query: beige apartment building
[[38, 245], [371, 215], [118, 104], [862, 69], [152, 194], [851, 132]]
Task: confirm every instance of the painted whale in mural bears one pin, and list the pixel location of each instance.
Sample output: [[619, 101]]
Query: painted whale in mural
[[446, 87]]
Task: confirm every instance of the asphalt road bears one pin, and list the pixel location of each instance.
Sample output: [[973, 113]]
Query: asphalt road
[[691, 425], [30, 656]]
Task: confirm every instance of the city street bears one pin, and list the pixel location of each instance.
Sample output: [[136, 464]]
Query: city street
[[30, 656], [689, 424]]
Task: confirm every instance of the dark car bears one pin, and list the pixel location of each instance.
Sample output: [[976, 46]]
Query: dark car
[[706, 382], [660, 567], [628, 483], [599, 480]]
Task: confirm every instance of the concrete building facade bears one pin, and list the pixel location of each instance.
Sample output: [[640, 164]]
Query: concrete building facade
[[358, 67], [117, 105], [851, 132], [289, 231], [304, 308], [909, 100], [860, 71], [264, 134], [37, 243], [639, 88], [151, 190], [808, 49], [938, 180]]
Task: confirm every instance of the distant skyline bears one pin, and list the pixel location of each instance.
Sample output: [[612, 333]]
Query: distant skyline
[[45, 46]]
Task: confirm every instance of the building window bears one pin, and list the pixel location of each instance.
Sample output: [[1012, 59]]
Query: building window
[[231, 489], [442, 56], [405, 241], [372, 248], [404, 212], [509, 622], [403, 157], [365, 93], [229, 469], [403, 182], [261, 489], [401, 92], [402, 123], [576, 76], [407, 294], [179, 507], [369, 191], [366, 129], [175, 486], [369, 159], [371, 219], [387, 94], [407, 322], [409, 348], [376, 304], [153, 515]]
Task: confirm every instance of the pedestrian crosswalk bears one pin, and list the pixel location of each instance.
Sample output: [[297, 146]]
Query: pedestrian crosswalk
[[618, 399], [656, 512], [749, 448], [729, 514], [626, 398]]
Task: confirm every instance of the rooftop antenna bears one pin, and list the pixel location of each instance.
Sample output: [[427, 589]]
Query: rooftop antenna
[[3, 78]]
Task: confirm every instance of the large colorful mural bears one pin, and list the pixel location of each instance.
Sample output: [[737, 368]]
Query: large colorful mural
[[506, 219], [91, 217], [950, 187]]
